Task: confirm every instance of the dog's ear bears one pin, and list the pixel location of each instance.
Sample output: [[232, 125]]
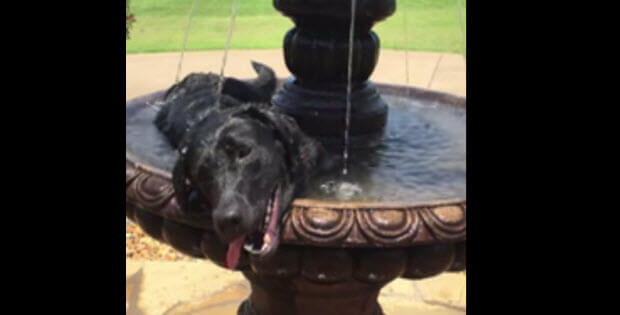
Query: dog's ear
[[304, 153], [266, 80], [257, 90], [180, 184]]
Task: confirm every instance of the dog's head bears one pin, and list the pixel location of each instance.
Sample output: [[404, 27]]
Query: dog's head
[[246, 165]]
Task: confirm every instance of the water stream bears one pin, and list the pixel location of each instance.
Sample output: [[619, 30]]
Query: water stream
[[231, 26], [345, 154], [189, 23], [405, 33], [421, 157], [462, 22], [430, 82]]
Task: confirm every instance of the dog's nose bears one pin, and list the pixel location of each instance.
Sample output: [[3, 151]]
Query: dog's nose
[[228, 223], [231, 219]]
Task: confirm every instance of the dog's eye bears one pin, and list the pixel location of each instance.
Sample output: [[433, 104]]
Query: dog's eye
[[243, 151], [236, 150]]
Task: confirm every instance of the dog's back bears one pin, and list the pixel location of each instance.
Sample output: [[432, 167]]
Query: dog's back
[[192, 99]]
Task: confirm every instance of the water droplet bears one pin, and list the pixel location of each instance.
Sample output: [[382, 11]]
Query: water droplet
[[346, 191], [328, 187]]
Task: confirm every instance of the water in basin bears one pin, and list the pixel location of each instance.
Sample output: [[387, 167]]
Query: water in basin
[[420, 158]]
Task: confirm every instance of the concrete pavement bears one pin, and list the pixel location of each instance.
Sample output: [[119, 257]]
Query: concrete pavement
[[200, 287], [150, 72]]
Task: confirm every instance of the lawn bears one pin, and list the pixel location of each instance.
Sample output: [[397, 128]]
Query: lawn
[[423, 25]]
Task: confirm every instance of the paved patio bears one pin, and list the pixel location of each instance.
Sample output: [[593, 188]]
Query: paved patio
[[149, 72], [200, 287]]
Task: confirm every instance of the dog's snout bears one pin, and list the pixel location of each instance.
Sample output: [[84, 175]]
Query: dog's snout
[[228, 223], [231, 219]]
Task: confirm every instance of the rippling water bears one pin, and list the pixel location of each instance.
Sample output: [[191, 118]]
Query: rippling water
[[421, 157]]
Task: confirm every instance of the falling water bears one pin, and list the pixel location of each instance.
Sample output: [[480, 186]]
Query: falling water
[[231, 26], [406, 50], [460, 8], [189, 23], [430, 82], [345, 154]]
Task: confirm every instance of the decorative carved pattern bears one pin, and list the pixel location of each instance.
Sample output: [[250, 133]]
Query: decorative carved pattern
[[446, 223], [130, 174], [320, 225], [317, 223], [151, 191], [379, 225], [384, 226]]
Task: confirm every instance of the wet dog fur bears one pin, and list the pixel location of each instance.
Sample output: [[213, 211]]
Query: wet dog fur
[[238, 156]]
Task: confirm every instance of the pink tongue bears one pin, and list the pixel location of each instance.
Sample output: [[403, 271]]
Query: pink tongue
[[234, 252], [271, 229]]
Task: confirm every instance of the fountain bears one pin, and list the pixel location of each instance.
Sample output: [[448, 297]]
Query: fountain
[[407, 218]]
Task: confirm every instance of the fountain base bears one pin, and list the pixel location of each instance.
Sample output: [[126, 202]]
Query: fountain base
[[306, 298]]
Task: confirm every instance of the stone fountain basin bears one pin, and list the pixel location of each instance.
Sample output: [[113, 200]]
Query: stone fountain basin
[[355, 244]]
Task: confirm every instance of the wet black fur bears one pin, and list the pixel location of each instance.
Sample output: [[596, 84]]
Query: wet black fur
[[233, 155], [187, 101]]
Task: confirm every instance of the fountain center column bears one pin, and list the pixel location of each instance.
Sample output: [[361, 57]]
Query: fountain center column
[[316, 52]]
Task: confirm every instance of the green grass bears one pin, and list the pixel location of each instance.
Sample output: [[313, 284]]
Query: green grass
[[432, 25]]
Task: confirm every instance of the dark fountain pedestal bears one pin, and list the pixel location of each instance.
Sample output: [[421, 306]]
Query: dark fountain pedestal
[[316, 51], [334, 257]]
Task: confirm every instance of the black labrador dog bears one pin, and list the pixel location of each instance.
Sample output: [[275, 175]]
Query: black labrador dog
[[240, 157]]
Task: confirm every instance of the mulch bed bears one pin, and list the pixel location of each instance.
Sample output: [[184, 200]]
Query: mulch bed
[[139, 246]]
